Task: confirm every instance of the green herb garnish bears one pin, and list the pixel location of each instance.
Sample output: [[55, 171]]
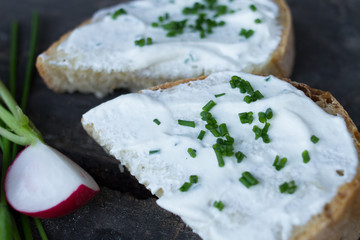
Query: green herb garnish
[[142, 42], [262, 133], [223, 129], [185, 187], [154, 151], [257, 21], [186, 123], [246, 117], [220, 95], [240, 156], [279, 163], [209, 106], [194, 179], [192, 152], [157, 121], [118, 12], [248, 180], [246, 33], [306, 156], [314, 139], [201, 135], [288, 187], [219, 205], [253, 7], [219, 157]]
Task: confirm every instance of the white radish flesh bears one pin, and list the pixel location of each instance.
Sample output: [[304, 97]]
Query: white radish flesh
[[42, 182]]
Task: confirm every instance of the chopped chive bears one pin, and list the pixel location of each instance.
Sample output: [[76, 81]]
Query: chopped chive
[[246, 117], [306, 156], [246, 33], [220, 95], [314, 139], [250, 178], [262, 117], [288, 187], [219, 158], [253, 7], [215, 132], [154, 151], [219, 205], [118, 12], [192, 152], [186, 123], [269, 113], [194, 179], [157, 121], [257, 21], [245, 182], [279, 163], [257, 132], [223, 129], [209, 106], [185, 187], [239, 156], [201, 135], [267, 79], [155, 24]]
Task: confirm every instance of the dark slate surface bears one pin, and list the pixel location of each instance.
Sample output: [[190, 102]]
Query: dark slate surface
[[328, 57]]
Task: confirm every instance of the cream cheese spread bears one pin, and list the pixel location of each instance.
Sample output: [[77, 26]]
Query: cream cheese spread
[[108, 44], [125, 127]]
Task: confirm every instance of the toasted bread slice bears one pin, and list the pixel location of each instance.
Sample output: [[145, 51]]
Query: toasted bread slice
[[336, 218], [76, 71]]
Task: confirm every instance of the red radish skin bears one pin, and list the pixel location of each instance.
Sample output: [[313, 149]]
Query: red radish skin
[[43, 183], [80, 197]]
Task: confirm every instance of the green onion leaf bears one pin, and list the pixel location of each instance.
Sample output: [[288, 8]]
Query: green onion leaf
[[314, 139], [253, 7], [185, 187], [154, 151], [118, 12], [219, 205], [192, 152], [186, 123], [257, 21], [279, 163], [157, 121], [246, 33], [201, 135], [220, 95], [219, 158], [269, 113], [194, 179], [262, 117], [306, 156], [223, 129], [239, 156], [246, 117], [288, 187], [209, 106]]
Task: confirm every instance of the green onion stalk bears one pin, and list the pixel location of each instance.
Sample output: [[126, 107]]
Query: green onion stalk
[[16, 127]]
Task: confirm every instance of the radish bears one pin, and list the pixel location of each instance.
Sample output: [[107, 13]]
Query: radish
[[41, 182]]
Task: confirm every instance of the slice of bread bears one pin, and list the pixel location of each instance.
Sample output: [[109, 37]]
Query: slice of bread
[[338, 218], [65, 71]]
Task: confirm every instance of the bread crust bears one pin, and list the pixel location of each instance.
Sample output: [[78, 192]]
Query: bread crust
[[340, 218], [63, 78]]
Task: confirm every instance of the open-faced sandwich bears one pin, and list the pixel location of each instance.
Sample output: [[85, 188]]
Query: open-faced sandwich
[[240, 156], [140, 44]]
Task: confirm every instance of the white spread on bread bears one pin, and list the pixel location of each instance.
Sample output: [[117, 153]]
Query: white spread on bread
[[107, 44], [125, 127]]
